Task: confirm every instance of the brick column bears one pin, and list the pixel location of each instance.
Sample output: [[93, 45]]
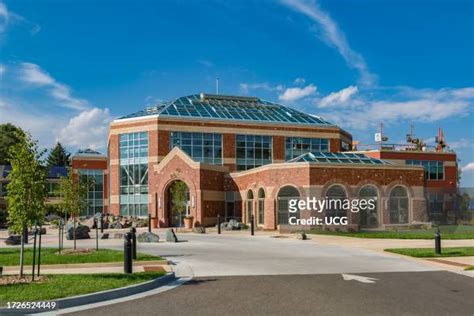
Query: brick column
[[278, 148], [228, 151], [114, 174]]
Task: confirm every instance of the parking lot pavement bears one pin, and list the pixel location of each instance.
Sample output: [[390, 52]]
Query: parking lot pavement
[[393, 293]]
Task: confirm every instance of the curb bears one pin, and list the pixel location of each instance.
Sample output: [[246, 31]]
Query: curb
[[96, 297], [87, 265]]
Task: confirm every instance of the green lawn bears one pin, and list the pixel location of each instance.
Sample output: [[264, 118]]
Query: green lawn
[[61, 285], [11, 256], [447, 232], [429, 252], [469, 268]]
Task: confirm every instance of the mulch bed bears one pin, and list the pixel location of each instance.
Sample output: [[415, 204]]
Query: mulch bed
[[15, 279]]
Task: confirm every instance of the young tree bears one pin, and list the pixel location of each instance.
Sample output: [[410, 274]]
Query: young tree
[[74, 198], [26, 192], [9, 135], [58, 156]]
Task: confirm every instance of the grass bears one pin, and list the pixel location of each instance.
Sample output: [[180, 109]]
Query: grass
[[429, 252], [61, 285], [447, 232], [469, 268], [11, 256]]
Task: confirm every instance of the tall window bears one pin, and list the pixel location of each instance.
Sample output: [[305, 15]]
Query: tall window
[[283, 200], [134, 174], [94, 180], [398, 205], [368, 218], [202, 147], [434, 170], [436, 206], [296, 146], [253, 151], [261, 206], [336, 194], [249, 205]]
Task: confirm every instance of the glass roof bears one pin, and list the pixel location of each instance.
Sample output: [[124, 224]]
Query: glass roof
[[339, 158], [234, 108], [87, 152]]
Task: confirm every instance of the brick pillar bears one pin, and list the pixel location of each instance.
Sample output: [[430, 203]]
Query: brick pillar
[[228, 151], [278, 148], [334, 145], [114, 174], [270, 213]]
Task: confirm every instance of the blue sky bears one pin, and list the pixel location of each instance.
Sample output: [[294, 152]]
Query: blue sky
[[68, 67]]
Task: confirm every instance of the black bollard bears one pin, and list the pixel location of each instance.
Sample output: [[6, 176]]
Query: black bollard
[[39, 252], [59, 238], [438, 242], [96, 235], [133, 231], [102, 223], [252, 226], [218, 224], [127, 253], [149, 223], [35, 232]]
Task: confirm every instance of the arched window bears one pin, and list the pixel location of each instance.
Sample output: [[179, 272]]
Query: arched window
[[249, 205], [398, 205], [368, 216], [261, 206], [336, 196], [286, 194]]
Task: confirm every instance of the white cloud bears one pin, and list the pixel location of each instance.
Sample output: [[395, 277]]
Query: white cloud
[[88, 129], [299, 80], [462, 143], [333, 36], [293, 94], [206, 63], [2, 69], [34, 75], [469, 167], [423, 106], [338, 98], [4, 17], [247, 87], [7, 18]]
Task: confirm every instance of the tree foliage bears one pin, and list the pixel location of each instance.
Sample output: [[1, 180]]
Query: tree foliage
[[26, 191], [179, 196], [9, 135], [73, 194], [58, 156]]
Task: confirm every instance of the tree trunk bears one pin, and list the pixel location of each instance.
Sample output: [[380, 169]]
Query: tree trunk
[[74, 231], [22, 253]]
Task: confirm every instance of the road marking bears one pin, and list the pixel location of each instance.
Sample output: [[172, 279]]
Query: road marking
[[358, 278]]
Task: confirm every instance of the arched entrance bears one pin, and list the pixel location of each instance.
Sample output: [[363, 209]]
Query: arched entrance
[[177, 206], [286, 194]]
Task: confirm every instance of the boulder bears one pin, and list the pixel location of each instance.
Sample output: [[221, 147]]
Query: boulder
[[199, 230], [171, 236], [148, 237], [105, 236], [13, 240], [118, 236], [82, 232], [90, 222]]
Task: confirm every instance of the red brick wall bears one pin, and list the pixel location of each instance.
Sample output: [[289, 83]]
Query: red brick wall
[[114, 172], [163, 143], [278, 148]]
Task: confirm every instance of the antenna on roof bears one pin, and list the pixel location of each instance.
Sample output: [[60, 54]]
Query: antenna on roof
[[217, 85]]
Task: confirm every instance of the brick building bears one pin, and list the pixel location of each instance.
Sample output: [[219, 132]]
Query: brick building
[[242, 156]]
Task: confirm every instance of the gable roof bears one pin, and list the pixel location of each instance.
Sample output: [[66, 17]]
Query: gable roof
[[229, 108]]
